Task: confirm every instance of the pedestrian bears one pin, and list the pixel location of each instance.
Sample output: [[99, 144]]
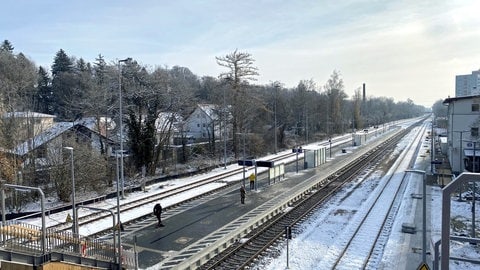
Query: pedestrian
[[252, 181], [242, 194], [157, 211]]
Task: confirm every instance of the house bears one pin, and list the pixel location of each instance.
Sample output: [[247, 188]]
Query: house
[[27, 124], [463, 144], [41, 150], [167, 125], [203, 124]]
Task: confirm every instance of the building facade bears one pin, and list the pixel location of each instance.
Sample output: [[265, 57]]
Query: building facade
[[463, 143], [467, 85]]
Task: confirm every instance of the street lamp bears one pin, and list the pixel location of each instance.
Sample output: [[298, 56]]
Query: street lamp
[[121, 121], [424, 214], [118, 212], [74, 225]]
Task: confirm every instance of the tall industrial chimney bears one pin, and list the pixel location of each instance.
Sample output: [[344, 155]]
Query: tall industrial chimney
[[364, 93]]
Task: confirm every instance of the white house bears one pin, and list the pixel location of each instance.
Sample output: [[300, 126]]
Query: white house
[[463, 144], [204, 123]]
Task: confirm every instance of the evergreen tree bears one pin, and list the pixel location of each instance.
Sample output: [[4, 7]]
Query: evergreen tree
[[61, 63], [7, 47], [44, 93]]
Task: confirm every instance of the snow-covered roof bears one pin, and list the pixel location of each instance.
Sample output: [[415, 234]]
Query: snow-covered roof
[[209, 109], [164, 118], [27, 114], [50, 134], [47, 135]]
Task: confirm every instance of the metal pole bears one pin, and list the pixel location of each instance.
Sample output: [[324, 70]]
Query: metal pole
[[330, 141], [424, 220], [113, 220], [42, 205], [121, 122], [74, 215], [275, 120], [287, 254], [296, 150], [244, 159], [118, 217], [224, 130], [460, 154], [473, 192]]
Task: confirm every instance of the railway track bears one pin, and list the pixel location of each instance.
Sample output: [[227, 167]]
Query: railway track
[[243, 253], [369, 226], [87, 216]]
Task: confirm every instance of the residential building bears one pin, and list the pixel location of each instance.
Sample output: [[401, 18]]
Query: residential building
[[467, 85], [203, 124], [463, 143], [27, 124]]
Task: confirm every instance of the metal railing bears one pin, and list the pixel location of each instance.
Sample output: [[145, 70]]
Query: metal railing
[[26, 238]]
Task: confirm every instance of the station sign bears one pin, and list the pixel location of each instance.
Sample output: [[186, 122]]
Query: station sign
[[246, 162], [264, 163]]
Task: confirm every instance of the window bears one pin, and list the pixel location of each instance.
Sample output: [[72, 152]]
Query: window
[[475, 107], [474, 131], [198, 125], [203, 125]]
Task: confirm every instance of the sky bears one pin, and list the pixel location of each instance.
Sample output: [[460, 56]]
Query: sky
[[400, 49]]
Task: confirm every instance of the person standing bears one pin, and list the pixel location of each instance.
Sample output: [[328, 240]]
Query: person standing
[[252, 181], [242, 194], [157, 211]]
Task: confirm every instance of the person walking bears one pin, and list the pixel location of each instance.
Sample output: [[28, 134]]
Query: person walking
[[252, 181], [242, 194], [157, 211]]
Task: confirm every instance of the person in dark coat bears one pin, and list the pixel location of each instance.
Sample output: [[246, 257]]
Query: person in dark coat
[[242, 194], [157, 211]]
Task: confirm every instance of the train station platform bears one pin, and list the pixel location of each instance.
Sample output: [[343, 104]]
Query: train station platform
[[195, 226]]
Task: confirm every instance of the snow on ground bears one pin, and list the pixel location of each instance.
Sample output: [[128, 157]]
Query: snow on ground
[[312, 239]]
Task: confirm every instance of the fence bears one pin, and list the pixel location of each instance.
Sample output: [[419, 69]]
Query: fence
[[21, 237]]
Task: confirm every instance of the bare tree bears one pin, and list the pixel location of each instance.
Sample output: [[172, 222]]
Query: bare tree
[[240, 71]]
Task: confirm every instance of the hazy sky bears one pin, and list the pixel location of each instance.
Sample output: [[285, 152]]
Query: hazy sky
[[400, 49]]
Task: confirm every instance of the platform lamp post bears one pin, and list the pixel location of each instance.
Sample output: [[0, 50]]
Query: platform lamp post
[[424, 212], [118, 212], [74, 225], [121, 120], [224, 130]]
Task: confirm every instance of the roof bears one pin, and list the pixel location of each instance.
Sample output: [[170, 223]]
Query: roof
[[27, 114], [47, 135], [450, 100], [209, 109], [51, 133]]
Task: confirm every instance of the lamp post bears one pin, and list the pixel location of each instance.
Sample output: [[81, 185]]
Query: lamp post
[[74, 225], [118, 212], [424, 214], [224, 130], [275, 118], [121, 120]]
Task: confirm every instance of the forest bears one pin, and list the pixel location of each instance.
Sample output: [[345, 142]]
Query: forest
[[269, 117]]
